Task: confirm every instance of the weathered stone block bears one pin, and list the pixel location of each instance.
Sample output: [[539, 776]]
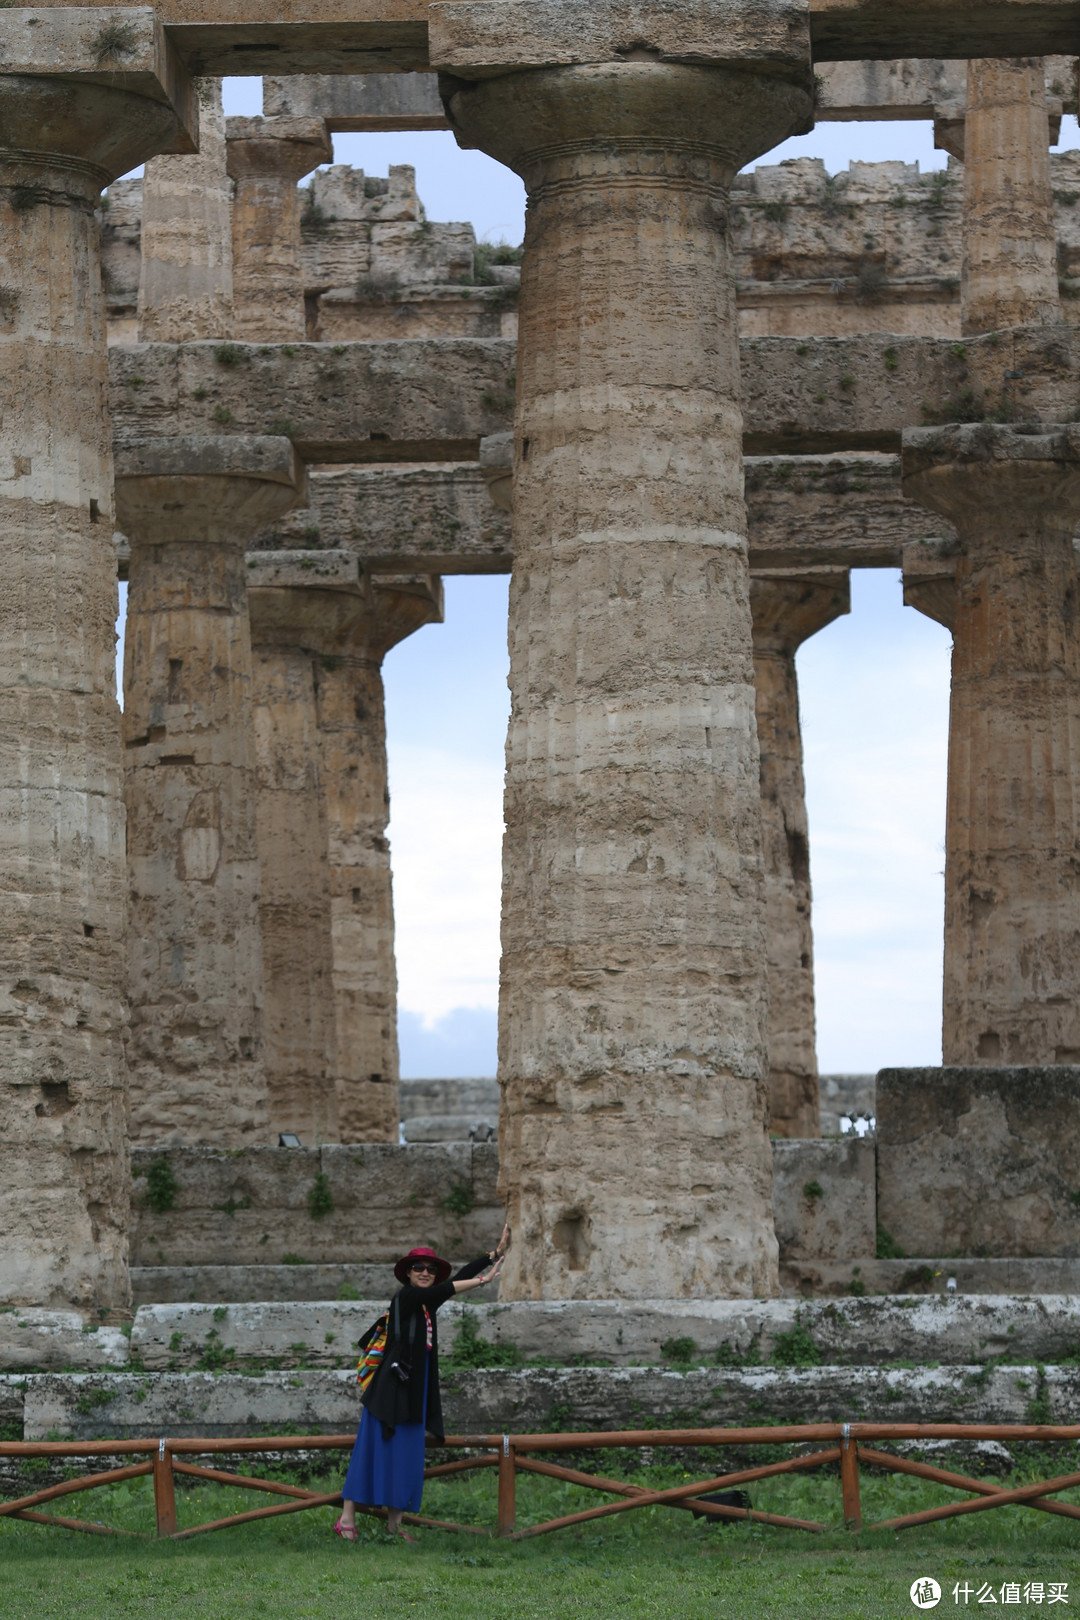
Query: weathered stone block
[[980, 1161], [54, 1339], [250, 1206], [823, 1198]]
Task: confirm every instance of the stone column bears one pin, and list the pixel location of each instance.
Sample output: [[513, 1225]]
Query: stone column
[[634, 1155], [188, 506], [788, 608], [1009, 275], [321, 633], [1012, 916], [266, 158], [64, 1177], [185, 280]]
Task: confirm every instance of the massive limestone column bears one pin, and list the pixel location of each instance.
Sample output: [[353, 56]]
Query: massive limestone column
[[321, 633], [64, 1178], [1012, 905], [266, 158], [185, 279], [1009, 275], [188, 506], [633, 1147], [787, 609]]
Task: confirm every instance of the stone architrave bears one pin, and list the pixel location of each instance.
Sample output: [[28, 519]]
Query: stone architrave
[[185, 277], [188, 506], [64, 1177], [1012, 841], [787, 609], [1009, 274], [321, 632], [266, 157], [634, 1155]]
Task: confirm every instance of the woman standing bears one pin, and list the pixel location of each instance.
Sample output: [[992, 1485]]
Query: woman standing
[[402, 1401]]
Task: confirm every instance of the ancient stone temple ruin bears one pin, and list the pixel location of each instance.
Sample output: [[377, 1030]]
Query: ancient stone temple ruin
[[270, 394]]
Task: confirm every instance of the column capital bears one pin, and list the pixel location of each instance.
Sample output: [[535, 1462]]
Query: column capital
[[284, 148], [788, 607], [322, 601], [601, 118], [201, 488], [984, 475], [97, 88]]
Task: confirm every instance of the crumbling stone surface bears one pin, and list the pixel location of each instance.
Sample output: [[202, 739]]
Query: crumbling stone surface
[[53, 1340], [854, 1332], [535, 1400], [980, 1161]]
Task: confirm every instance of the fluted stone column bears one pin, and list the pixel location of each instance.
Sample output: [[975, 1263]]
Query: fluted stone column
[[1009, 275], [266, 158], [188, 507], [1012, 842], [321, 634], [185, 279], [633, 1147], [64, 1177], [787, 609]]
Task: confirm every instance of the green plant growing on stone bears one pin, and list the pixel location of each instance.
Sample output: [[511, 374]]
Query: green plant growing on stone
[[176, 1343], [348, 1290], [222, 414], [679, 1351], [471, 1349], [460, 1200], [215, 1356], [293, 1260], [320, 1199], [890, 359], [796, 1347], [887, 1247], [856, 1287], [813, 1189], [92, 1400], [162, 1187], [487, 254], [229, 354], [114, 40]]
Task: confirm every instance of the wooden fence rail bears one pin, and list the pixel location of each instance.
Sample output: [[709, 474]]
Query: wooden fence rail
[[845, 1443]]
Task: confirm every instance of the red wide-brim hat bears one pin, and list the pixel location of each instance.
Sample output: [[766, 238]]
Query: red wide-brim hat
[[443, 1268]]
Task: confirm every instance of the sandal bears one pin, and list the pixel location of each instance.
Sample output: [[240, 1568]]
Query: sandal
[[347, 1532]]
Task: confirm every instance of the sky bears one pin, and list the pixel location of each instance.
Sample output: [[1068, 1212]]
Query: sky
[[874, 693]]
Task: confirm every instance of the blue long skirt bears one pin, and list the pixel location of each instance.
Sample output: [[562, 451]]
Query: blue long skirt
[[387, 1473]]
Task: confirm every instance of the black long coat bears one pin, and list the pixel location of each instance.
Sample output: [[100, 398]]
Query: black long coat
[[386, 1397]]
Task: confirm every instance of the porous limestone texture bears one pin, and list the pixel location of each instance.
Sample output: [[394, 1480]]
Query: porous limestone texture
[[832, 1279], [157, 1285], [786, 610], [266, 157], [195, 975], [51, 1341], [358, 101], [185, 281], [254, 1207], [823, 1199], [320, 634], [64, 1184], [980, 1160], [949, 1329], [634, 1156], [1012, 923], [1009, 276], [534, 1400]]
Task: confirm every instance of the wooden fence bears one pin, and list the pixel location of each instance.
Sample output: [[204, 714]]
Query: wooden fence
[[843, 1443]]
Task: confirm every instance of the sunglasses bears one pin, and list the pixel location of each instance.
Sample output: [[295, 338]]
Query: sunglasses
[[424, 1266]]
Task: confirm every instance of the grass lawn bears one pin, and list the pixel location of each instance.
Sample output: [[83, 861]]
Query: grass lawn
[[652, 1562]]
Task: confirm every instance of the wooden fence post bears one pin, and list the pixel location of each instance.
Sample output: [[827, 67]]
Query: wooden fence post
[[164, 1492], [849, 1480], [507, 1489]]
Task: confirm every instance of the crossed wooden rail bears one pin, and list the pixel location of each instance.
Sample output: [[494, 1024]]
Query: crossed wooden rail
[[510, 1454]]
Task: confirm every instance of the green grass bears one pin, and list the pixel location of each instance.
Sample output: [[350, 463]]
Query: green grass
[[652, 1562]]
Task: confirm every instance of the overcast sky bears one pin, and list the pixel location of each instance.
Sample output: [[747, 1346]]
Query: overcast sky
[[874, 693]]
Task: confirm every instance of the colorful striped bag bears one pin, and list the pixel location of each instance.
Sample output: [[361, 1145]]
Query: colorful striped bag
[[372, 1349]]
